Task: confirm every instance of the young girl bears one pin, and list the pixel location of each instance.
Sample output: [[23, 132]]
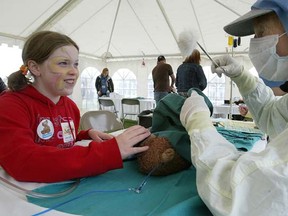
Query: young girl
[[39, 123]]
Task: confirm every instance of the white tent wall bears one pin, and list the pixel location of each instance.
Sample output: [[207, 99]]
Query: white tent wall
[[141, 72]]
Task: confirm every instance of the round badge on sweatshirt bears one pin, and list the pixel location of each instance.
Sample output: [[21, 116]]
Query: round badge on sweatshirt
[[45, 129]]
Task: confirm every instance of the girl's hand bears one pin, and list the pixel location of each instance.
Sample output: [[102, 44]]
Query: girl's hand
[[131, 137], [99, 136]]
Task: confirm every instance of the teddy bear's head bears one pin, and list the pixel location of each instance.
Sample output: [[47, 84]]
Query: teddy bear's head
[[162, 155]]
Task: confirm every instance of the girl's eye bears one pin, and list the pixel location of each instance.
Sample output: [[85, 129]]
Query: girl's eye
[[63, 63], [76, 65]]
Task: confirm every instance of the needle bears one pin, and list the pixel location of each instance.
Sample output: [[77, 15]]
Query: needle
[[207, 54]]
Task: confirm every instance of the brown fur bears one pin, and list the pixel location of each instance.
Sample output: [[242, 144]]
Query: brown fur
[[162, 153]]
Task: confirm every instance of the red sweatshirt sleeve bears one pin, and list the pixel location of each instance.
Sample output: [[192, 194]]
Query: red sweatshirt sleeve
[[50, 164]]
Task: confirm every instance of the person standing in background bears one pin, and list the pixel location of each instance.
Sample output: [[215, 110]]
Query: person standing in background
[[3, 87], [190, 74], [161, 74], [104, 83]]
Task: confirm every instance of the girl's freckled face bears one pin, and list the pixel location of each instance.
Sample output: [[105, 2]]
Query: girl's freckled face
[[60, 72]]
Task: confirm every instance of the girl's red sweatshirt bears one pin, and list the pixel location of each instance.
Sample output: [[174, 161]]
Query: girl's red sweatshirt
[[36, 143]]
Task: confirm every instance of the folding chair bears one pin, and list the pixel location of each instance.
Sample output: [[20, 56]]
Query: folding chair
[[102, 120], [130, 106], [107, 104]]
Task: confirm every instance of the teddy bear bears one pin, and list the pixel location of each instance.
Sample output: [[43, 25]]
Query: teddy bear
[[169, 144], [161, 157]]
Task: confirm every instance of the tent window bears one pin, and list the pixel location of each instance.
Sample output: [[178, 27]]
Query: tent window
[[125, 83], [88, 90], [215, 86], [150, 86], [215, 89]]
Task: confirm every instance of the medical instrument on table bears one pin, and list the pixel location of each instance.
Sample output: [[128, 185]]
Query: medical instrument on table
[[136, 190], [143, 183], [74, 185]]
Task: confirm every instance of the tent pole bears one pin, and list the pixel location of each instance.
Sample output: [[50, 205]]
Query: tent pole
[[167, 20], [231, 91], [112, 30], [60, 13], [233, 11]]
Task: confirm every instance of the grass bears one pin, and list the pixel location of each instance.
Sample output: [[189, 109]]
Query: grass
[[128, 123]]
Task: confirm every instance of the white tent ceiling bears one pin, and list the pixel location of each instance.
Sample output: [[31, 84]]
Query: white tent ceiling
[[121, 29]]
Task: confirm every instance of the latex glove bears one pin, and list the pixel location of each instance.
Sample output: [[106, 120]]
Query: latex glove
[[227, 65], [192, 105]]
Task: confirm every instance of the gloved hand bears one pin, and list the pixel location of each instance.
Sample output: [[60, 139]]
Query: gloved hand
[[227, 65], [193, 104]]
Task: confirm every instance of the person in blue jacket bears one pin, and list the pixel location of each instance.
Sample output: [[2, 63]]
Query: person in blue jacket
[[190, 74], [104, 83]]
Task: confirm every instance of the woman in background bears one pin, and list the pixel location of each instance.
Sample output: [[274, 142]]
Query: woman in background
[[190, 74], [104, 83]]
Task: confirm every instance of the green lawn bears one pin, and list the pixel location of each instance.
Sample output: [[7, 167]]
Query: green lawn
[[128, 123]]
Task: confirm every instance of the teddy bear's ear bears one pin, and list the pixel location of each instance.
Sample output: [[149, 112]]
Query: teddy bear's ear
[[162, 155], [167, 155]]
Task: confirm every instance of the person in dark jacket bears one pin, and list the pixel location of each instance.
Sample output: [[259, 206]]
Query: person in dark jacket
[[3, 87], [104, 84], [190, 74]]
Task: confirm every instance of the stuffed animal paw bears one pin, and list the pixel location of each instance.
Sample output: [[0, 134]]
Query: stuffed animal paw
[[162, 155]]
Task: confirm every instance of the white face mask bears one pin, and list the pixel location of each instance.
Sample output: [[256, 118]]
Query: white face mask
[[268, 64]]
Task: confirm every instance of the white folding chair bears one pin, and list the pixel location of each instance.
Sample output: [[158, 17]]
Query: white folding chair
[[107, 104], [102, 120], [130, 106]]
